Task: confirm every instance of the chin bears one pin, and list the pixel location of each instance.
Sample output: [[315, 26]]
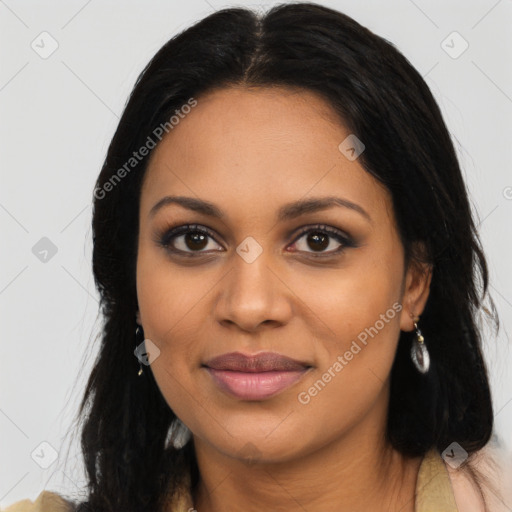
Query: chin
[[258, 446]]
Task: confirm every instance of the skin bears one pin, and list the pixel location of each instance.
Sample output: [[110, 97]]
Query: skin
[[250, 151]]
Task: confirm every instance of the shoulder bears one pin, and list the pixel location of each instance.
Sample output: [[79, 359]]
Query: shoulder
[[484, 483], [47, 501]]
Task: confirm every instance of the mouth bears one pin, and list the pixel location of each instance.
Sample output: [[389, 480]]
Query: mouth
[[255, 377]]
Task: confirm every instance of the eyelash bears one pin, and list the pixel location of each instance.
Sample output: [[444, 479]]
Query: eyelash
[[165, 239]]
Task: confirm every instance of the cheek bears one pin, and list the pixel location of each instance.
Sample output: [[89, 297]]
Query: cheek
[[171, 303], [353, 370], [367, 309], [361, 307], [170, 299], [356, 300]]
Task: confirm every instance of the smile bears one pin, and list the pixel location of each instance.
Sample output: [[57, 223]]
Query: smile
[[255, 377]]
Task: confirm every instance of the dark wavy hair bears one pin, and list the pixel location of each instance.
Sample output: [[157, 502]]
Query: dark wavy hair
[[380, 97]]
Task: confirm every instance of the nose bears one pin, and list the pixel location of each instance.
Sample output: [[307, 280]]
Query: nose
[[253, 296]]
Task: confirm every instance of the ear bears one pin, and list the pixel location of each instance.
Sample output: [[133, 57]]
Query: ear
[[415, 293], [137, 317]]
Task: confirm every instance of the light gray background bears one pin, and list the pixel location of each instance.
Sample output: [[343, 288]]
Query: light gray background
[[56, 119]]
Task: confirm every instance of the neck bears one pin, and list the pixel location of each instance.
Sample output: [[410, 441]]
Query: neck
[[356, 473]]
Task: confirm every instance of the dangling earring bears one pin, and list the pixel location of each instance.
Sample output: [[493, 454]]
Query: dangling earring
[[178, 435], [139, 338], [419, 353]]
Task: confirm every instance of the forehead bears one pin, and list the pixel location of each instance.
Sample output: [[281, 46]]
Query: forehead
[[258, 147]]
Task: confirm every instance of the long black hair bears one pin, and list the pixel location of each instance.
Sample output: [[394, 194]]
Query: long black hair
[[380, 97]]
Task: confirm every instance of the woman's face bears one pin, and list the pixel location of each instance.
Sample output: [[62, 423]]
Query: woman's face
[[322, 309]]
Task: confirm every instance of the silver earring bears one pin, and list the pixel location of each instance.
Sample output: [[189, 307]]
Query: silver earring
[[139, 338], [419, 353], [178, 435]]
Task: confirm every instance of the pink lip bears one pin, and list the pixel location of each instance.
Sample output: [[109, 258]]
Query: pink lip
[[255, 377]]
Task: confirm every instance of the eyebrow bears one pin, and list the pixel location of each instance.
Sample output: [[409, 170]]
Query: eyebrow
[[286, 212]]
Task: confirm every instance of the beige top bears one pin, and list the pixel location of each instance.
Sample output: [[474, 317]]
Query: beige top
[[439, 488]]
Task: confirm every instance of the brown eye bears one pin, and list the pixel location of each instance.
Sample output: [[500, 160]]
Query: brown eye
[[195, 241], [318, 239], [188, 240]]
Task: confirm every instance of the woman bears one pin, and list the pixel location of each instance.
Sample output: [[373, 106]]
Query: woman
[[283, 238]]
